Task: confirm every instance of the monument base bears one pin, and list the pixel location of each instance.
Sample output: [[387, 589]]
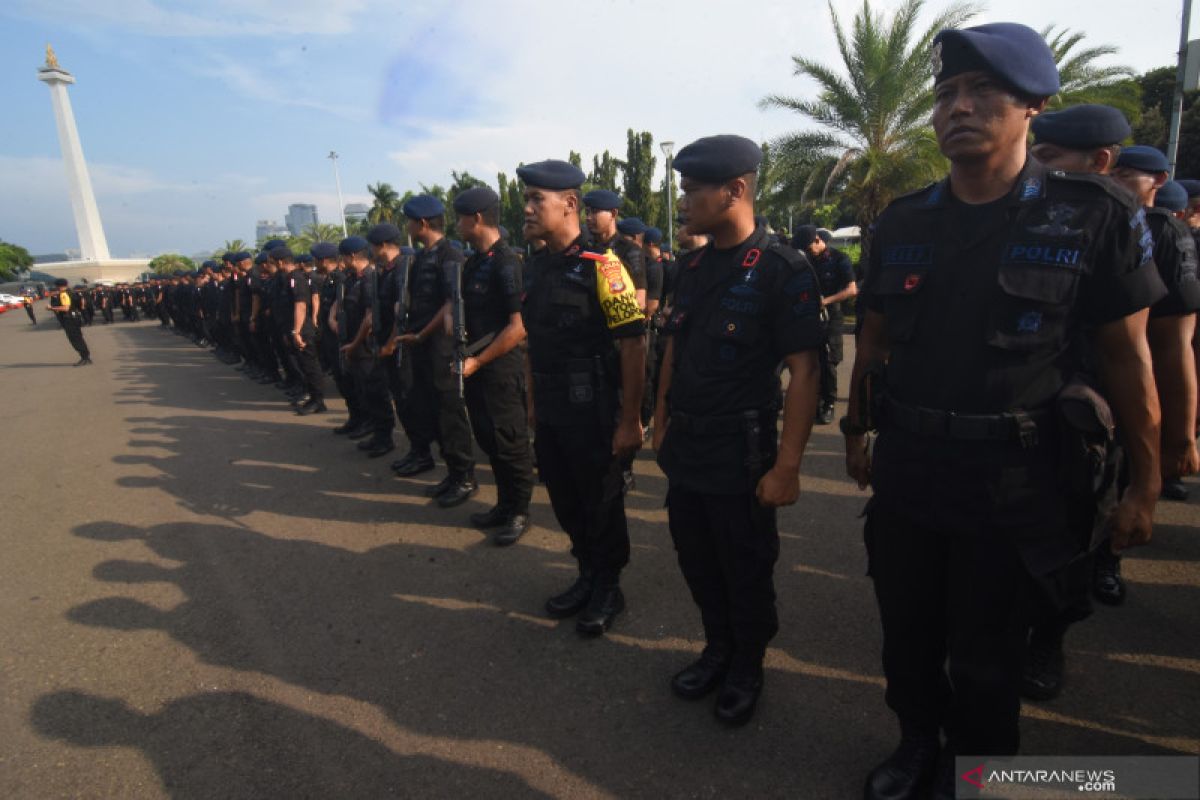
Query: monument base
[[115, 270]]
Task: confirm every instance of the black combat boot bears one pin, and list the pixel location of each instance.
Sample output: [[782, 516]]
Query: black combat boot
[[606, 602], [908, 772], [572, 601]]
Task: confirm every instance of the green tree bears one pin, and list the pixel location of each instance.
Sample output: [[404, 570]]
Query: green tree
[[386, 205], [1083, 81], [575, 158], [641, 199], [604, 172], [231, 246], [14, 259], [512, 206], [167, 263], [875, 141]]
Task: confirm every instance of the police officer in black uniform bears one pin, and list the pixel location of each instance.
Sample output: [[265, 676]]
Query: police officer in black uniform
[[836, 274], [358, 423], [601, 207], [433, 408], [494, 367], [260, 314], [299, 294], [653, 256], [981, 293], [742, 306], [360, 349], [392, 267], [67, 311], [587, 351]]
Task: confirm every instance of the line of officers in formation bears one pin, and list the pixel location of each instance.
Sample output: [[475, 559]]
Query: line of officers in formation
[[1024, 381]]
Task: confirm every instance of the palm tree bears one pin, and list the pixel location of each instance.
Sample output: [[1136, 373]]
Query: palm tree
[[1084, 82], [874, 141], [232, 246], [386, 203], [323, 232]]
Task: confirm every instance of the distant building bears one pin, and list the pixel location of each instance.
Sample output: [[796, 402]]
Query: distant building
[[299, 217], [357, 212], [50, 258], [268, 229]]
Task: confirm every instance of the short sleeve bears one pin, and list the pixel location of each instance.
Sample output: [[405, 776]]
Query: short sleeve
[[635, 262], [617, 296], [654, 280], [508, 280], [795, 317], [1175, 256], [871, 301], [1124, 278]]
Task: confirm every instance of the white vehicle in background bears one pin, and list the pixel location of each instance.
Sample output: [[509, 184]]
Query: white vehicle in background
[[9, 300]]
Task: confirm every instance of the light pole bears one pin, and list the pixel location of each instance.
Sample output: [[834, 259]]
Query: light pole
[[668, 149], [1177, 98], [337, 180]]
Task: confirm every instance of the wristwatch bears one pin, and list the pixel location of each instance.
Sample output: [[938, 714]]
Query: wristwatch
[[850, 428]]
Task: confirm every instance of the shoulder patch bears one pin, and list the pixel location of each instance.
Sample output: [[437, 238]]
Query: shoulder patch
[[614, 289], [1101, 183]]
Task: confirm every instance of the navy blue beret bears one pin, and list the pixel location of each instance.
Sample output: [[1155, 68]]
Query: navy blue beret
[[1082, 127], [1192, 187], [261, 258], [281, 253], [804, 236], [475, 200], [631, 226], [323, 250], [271, 244], [209, 264], [552, 174], [602, 200], [1144, 158], [825, 235], [716, 159], [241, 255], [387, 233], [1171, 196], [304, 258], [227, 256], [1017, 54], [653, 236], [423, 206], [63, 281], [352, 245]]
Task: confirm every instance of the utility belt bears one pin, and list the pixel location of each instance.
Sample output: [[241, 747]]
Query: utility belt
[[1011, 426], [582, 381], [750, 424]]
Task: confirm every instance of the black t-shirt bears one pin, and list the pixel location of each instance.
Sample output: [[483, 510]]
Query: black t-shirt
[[299, 290], [575, 307], [1175, 255], [358, 301], [389, 295], [654, 279], [491, 290], [632, 255], [985, 306], [834, 271], [430, 282], [737, 314]]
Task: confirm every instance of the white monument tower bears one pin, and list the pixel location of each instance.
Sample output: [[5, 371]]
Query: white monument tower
[[95, 264]]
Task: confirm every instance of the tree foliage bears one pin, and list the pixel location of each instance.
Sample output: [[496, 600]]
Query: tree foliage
[[512, 207], [385, 206], [604, 172], [168, 263], [874, 141], [14, 259], [641, 199], [1084, 81]]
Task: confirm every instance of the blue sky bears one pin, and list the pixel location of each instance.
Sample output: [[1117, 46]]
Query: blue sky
[[198, 118]]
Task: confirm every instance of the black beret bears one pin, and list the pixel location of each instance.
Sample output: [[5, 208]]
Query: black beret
[[475, 200], [653, 236], [1171, 196], [423, 206], [804, 236], [209, 264], [281, 253], [1192, 187], [1082, 127], [386, 232], [716, 159], [261, 258], [631, 226], [227, 256], [552, 174], [352, 245], [304, 258], [1143, 158], [1017, 54], [602, 200], [60, 282], [239, 256], [271, 244], [824, 235], [323, 250]]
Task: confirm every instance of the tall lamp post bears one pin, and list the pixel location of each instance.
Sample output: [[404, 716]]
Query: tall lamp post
[[1177, 97], [337, 180], [668, 149]]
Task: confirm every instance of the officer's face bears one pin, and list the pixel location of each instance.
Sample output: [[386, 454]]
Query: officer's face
[[1142, 184], [975, 116], [547, 212], [1056, 157], [816, 247], [600, 222], [703, 205], [467, 225]]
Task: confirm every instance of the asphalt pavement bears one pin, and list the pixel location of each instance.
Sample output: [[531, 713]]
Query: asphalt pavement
[[203, 595]]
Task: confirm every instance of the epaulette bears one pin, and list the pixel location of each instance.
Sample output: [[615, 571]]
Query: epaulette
[[1102, 182], [916, 195]]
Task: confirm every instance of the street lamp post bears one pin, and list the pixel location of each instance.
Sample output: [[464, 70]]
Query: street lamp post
[[668, 149], [338, 181]]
